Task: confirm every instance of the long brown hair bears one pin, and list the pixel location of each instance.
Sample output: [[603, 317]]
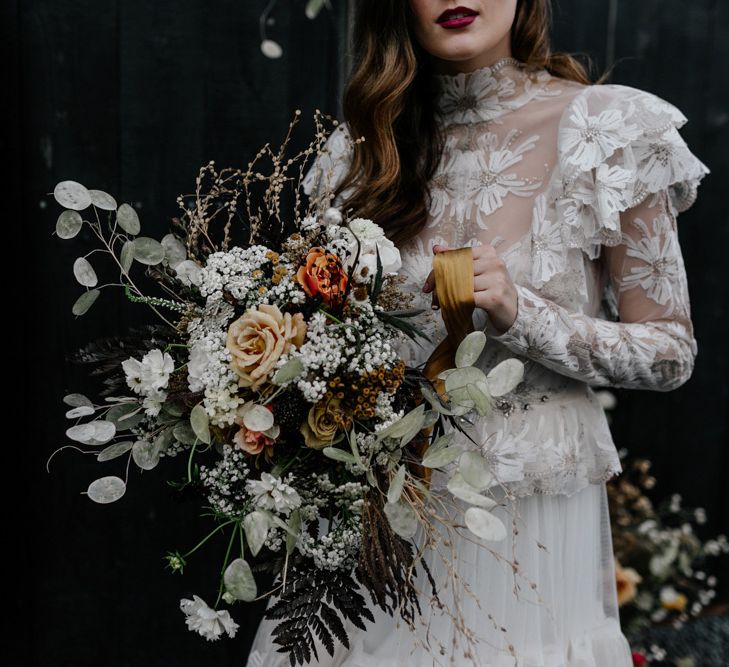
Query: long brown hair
[[388, 100]]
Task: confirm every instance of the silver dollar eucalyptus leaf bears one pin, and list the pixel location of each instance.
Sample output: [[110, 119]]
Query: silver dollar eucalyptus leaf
[[402, 518], [470, 348], [404, 426], [84, 302], [114, 451], [106, 489], [271, 49], [183, 433], [478, 394], [239, 580], [462, 377], [164, 440], [145, 454], [200, 423], [175, 251], [125, 415], [257, 418], [84, 272], [313, 7], [77, 400], [81, 433], [441, 443], [69, 224], [92, 433], [80, 411], [73, 195], [126, 256], [441, 457], [256, 528], [475, 470], [128, 219], [461, 489], [290, 370], [505, 376], [102, 200], [148, 251], [338, 455], [484, 524], [396, 485]]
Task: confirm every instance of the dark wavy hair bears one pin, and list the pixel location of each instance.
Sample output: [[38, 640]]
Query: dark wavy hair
[[388, 100]]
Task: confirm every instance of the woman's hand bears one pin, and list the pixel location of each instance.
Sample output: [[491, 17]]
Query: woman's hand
[[493, 289]]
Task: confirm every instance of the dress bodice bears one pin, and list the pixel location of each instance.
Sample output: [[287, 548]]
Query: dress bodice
[[578, 188]]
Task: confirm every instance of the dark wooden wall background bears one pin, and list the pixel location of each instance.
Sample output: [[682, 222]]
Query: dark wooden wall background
[[132, 97]]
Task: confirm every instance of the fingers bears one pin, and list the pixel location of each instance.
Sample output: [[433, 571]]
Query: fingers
[[483, 251], [429, 283]]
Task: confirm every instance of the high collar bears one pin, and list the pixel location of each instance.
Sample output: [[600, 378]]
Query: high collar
[[485, 93]]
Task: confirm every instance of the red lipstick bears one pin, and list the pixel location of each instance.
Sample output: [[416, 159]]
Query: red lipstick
[[457, 17]]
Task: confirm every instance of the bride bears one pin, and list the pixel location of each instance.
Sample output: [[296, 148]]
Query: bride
[[568, 193]]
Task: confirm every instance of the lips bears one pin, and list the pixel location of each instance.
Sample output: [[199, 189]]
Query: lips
[[456, 13]]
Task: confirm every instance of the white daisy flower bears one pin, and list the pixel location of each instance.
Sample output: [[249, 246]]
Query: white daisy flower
[[613, 191], [591, 139], [658, 272], [547, 243], [489, 184]]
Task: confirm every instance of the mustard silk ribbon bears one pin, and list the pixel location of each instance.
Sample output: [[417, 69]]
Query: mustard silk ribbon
[[453, 272]]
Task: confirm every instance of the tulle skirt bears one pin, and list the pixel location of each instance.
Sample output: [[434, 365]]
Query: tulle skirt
[[557, 607]]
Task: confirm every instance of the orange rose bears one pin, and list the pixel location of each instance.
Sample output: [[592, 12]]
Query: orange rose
[[323, 274]]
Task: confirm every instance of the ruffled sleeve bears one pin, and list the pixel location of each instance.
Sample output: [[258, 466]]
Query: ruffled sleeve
[[625, 175], [329, 168], [616, 146]]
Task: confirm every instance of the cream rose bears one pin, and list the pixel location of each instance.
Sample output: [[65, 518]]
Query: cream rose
[[258, 338], [323, 422]]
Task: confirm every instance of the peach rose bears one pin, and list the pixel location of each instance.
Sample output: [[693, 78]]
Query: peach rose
[[323, 274], [258, 338], [322, 423], [626, 580], [252, 442]]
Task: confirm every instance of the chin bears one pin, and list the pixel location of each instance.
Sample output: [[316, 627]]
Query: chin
[[462, 49]]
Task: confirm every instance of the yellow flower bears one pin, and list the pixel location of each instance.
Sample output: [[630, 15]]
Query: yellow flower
[[258, 338], [672, 600], [626, 580]]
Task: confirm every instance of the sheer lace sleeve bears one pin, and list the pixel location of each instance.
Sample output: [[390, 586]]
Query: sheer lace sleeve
[[652, 345], [625, 175]]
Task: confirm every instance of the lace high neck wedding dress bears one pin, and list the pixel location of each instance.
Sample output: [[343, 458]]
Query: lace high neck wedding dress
[[578, 188]]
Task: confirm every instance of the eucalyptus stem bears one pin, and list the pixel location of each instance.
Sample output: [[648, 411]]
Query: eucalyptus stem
[[225, 562], [125, 273], [207, 537], [189, 459]]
